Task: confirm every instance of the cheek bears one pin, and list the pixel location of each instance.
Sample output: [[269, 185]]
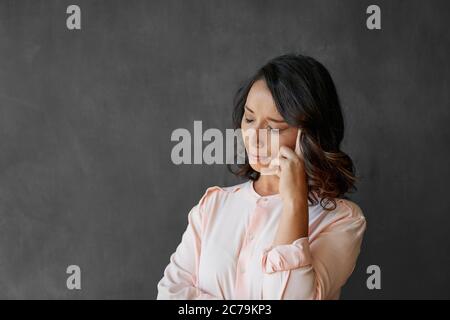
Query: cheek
[[243, 125], [245, 131], [287, 141]]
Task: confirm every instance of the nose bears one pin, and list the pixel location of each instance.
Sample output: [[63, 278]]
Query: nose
[[258, 137], [263, 141]]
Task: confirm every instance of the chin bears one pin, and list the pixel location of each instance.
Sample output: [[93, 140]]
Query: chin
[[258, 167]]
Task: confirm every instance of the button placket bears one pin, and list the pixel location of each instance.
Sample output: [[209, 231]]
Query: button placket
[[254, 224], [257, 219]]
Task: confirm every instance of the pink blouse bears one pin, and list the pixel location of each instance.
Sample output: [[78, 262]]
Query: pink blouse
[[226, 250]]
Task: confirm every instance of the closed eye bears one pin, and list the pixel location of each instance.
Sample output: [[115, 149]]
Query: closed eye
[[269, 128]]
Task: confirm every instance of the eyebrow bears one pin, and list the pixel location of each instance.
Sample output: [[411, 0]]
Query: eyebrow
[[270, 119]]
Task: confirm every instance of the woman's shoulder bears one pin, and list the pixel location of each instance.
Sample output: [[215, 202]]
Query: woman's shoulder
[[347, 212], [347, 218], [217, 191], [349, 208]]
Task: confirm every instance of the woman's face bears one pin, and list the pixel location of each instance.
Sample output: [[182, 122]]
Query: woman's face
[[261, 113]]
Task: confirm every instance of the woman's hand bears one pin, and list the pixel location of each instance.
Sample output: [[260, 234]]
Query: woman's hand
[[293, 188], [293, 185]]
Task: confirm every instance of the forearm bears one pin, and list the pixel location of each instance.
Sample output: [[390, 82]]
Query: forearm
[[293, 222], [303, 269]]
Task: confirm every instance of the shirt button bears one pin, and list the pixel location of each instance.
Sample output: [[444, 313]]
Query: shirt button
[[262, 202], [251, 237], [242, 270]]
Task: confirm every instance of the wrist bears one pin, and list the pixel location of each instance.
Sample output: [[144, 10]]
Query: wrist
[[296, 206]]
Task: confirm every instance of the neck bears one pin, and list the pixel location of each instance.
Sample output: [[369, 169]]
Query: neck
[[267, 185]]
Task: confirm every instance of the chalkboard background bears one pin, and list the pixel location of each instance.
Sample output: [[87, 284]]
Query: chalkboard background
[[86, 118]]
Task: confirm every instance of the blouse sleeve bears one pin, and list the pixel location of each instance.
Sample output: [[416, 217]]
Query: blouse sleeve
[[181, 274], [316, 269]]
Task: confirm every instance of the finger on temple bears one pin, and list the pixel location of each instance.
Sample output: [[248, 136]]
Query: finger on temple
[[297, 144]]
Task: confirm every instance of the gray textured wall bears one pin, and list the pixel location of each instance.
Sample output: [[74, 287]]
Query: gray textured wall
[[86, 118]]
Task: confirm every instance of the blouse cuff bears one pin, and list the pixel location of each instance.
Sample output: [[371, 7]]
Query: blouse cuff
[[286, 256]]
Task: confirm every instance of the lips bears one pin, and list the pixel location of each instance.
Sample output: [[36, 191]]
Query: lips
[[258, 158]]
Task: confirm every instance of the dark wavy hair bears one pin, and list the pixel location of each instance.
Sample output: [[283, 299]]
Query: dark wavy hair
[[306, 97]]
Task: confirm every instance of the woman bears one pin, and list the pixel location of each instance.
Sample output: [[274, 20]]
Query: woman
[[289, 235]]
